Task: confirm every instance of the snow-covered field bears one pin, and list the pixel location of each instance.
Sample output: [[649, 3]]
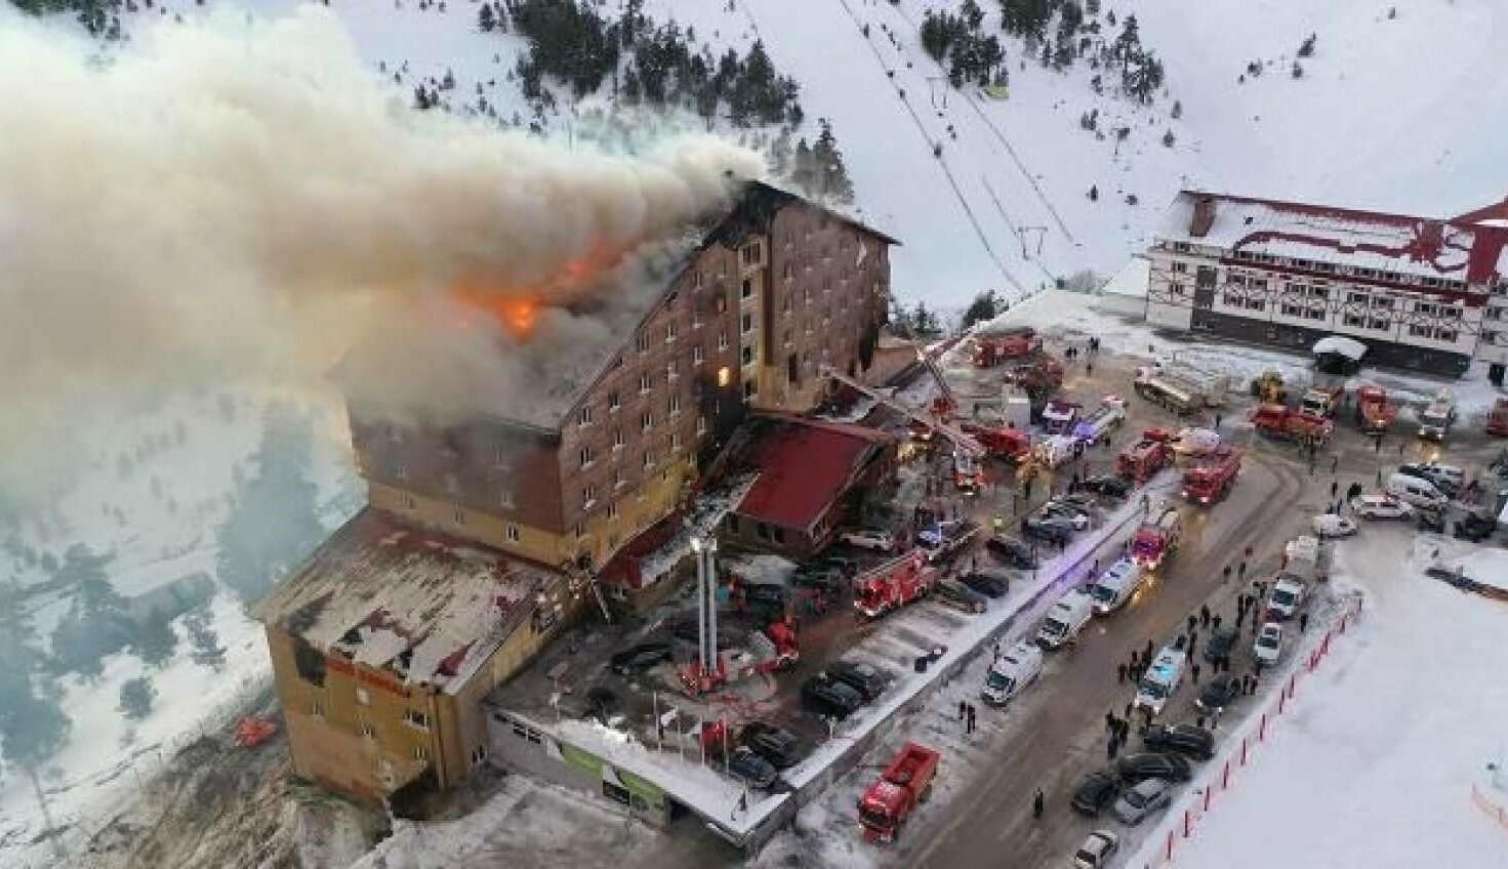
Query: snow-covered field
[[1374, 764]]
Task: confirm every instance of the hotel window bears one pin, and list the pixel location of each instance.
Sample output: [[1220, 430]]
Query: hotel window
[[1181, 246], [1379, 324], [748, 323], [1180, 267], [646, 382], [612, 510], [317, 709], [587, 457], [505, 499], [1418, 331], [670, 332], [1356, 298], [1445, 335], [362, 697], [401, 472], [748, 289], [588, 496], [618, 481], [1258, 283], [750, 390], [460, 517], [1292, 310], [697, 355], [675, 440], [420, 753], [584, 416], [724, 376], [1316, 314], [1237, 280], [647, 420], [617, 438], [1256, 305], [701, 425], [1424, 308], [368, 730], [785, 271], [722, 340], [513, 534], [675, 404], [613, 402], [1231, 299], [642, 342], [748, 355], [670, 372], [649, 460], [751, 254], [415, 718], [696, 278], [1175, 288], [1382, 302]]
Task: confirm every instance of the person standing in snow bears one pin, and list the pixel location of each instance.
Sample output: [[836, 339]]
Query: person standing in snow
[[1038, 802], [1120, 674]]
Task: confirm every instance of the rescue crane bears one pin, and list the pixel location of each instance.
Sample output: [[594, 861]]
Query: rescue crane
[[963, 442]]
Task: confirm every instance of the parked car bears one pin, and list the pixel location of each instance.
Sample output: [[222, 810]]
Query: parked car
[[1475, 527], [1220, 643], [766, 594], [1286, 597], [987, 582], [869, 538], [830, 698], [639, 658], [1269, 643], [1049, 528], [845, 566], [1218, 693], [1012, 551], [1329, 525], [1431, 519], [775, 744], [868, 680], [824, 578], [1075, 515], [1095, 792], [748, 767], [1447, 478], [1152, 764], [1146, 797], [955, 594], [1097, 851], [1107, 485], [1382, 507], [1184, 739]]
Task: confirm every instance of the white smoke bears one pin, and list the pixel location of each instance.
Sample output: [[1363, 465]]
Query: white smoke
[[232, 197]]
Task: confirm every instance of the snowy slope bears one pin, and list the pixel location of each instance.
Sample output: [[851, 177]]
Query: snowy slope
[[1376, 767]]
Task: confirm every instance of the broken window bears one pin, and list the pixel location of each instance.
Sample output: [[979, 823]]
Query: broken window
[[309, 662]]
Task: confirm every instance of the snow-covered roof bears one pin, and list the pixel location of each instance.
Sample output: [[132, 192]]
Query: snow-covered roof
[[1403, 244], [427, 607], [1131, 280], [1341, 345]]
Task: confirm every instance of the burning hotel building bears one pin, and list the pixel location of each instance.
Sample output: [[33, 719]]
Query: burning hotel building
[[484, 535]]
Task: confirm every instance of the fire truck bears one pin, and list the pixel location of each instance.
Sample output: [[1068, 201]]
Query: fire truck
[[1158, 538], [1211, 480], [1285, 423], [992, 348], [1323, 401], [1011, 444], [1374, 413], [1497, 421], [1104, 419], [1059, 416], [1169, 390], [893, 584], [905, 784], [1146, 457]]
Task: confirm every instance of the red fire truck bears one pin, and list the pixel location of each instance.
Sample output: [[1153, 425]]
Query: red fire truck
[[1323, 400], [1285, 423], [1374, 413], [905, 784], [893, 584], [1011, 444], [1212, 478], [1157, 538], [1497, 421], [1146, 457], [992, 348]]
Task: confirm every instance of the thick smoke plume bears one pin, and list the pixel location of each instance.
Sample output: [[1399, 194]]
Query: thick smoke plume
[[235, 197]]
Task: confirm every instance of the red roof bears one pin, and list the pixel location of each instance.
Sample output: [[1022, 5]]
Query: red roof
[[804, 466]]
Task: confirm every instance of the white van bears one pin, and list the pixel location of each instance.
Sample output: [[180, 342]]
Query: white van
[[1057, 450], [1009, 676], [1064, 621], [1286, 597], [1161, 680], [1416, 491], [1116, 586]]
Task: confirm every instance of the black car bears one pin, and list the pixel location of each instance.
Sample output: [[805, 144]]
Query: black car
[[1050, 529], [1185, 739], [830, 698], [1222, 641], [1095, 792], [987, 582], [602, 704], [1475, 527], [1219, 692], [1108, 485], [869, 681], [845, 566], [748, 767], [1152, 764], [639, 658], [767, 598], [1012, 551], [775, 744], [820, 577]]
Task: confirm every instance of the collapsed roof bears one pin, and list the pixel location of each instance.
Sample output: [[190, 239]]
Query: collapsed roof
[[428, 608]]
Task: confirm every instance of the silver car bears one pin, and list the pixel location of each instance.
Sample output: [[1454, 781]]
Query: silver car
[[1147, 797]]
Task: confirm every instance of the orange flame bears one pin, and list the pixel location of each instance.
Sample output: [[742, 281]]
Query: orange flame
[[517, 309]]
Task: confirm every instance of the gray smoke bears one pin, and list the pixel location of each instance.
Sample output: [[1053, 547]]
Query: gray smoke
[[238, 198]]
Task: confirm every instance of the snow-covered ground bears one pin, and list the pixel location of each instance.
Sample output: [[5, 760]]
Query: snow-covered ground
[[1374, 763]]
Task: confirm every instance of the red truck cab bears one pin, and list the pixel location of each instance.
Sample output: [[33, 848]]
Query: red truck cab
[[906, 783], [893, 584], [1212, 479]]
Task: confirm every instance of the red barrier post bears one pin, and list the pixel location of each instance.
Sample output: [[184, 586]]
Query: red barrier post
[[1262, 730], [1293, 685], [1187, 829], [1225, 774], [1170, 844], [1282, 698], [1243, 751], [1207, 791]]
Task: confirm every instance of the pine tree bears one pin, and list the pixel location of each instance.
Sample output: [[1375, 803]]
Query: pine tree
[[155, 641], [136, 698], [1177, 109], [485, 20], [1307, 48], [832, 175], [985, 306], [206, 648]]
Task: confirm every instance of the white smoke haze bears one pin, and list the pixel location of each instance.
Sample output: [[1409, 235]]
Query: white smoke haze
[[232, 198]]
